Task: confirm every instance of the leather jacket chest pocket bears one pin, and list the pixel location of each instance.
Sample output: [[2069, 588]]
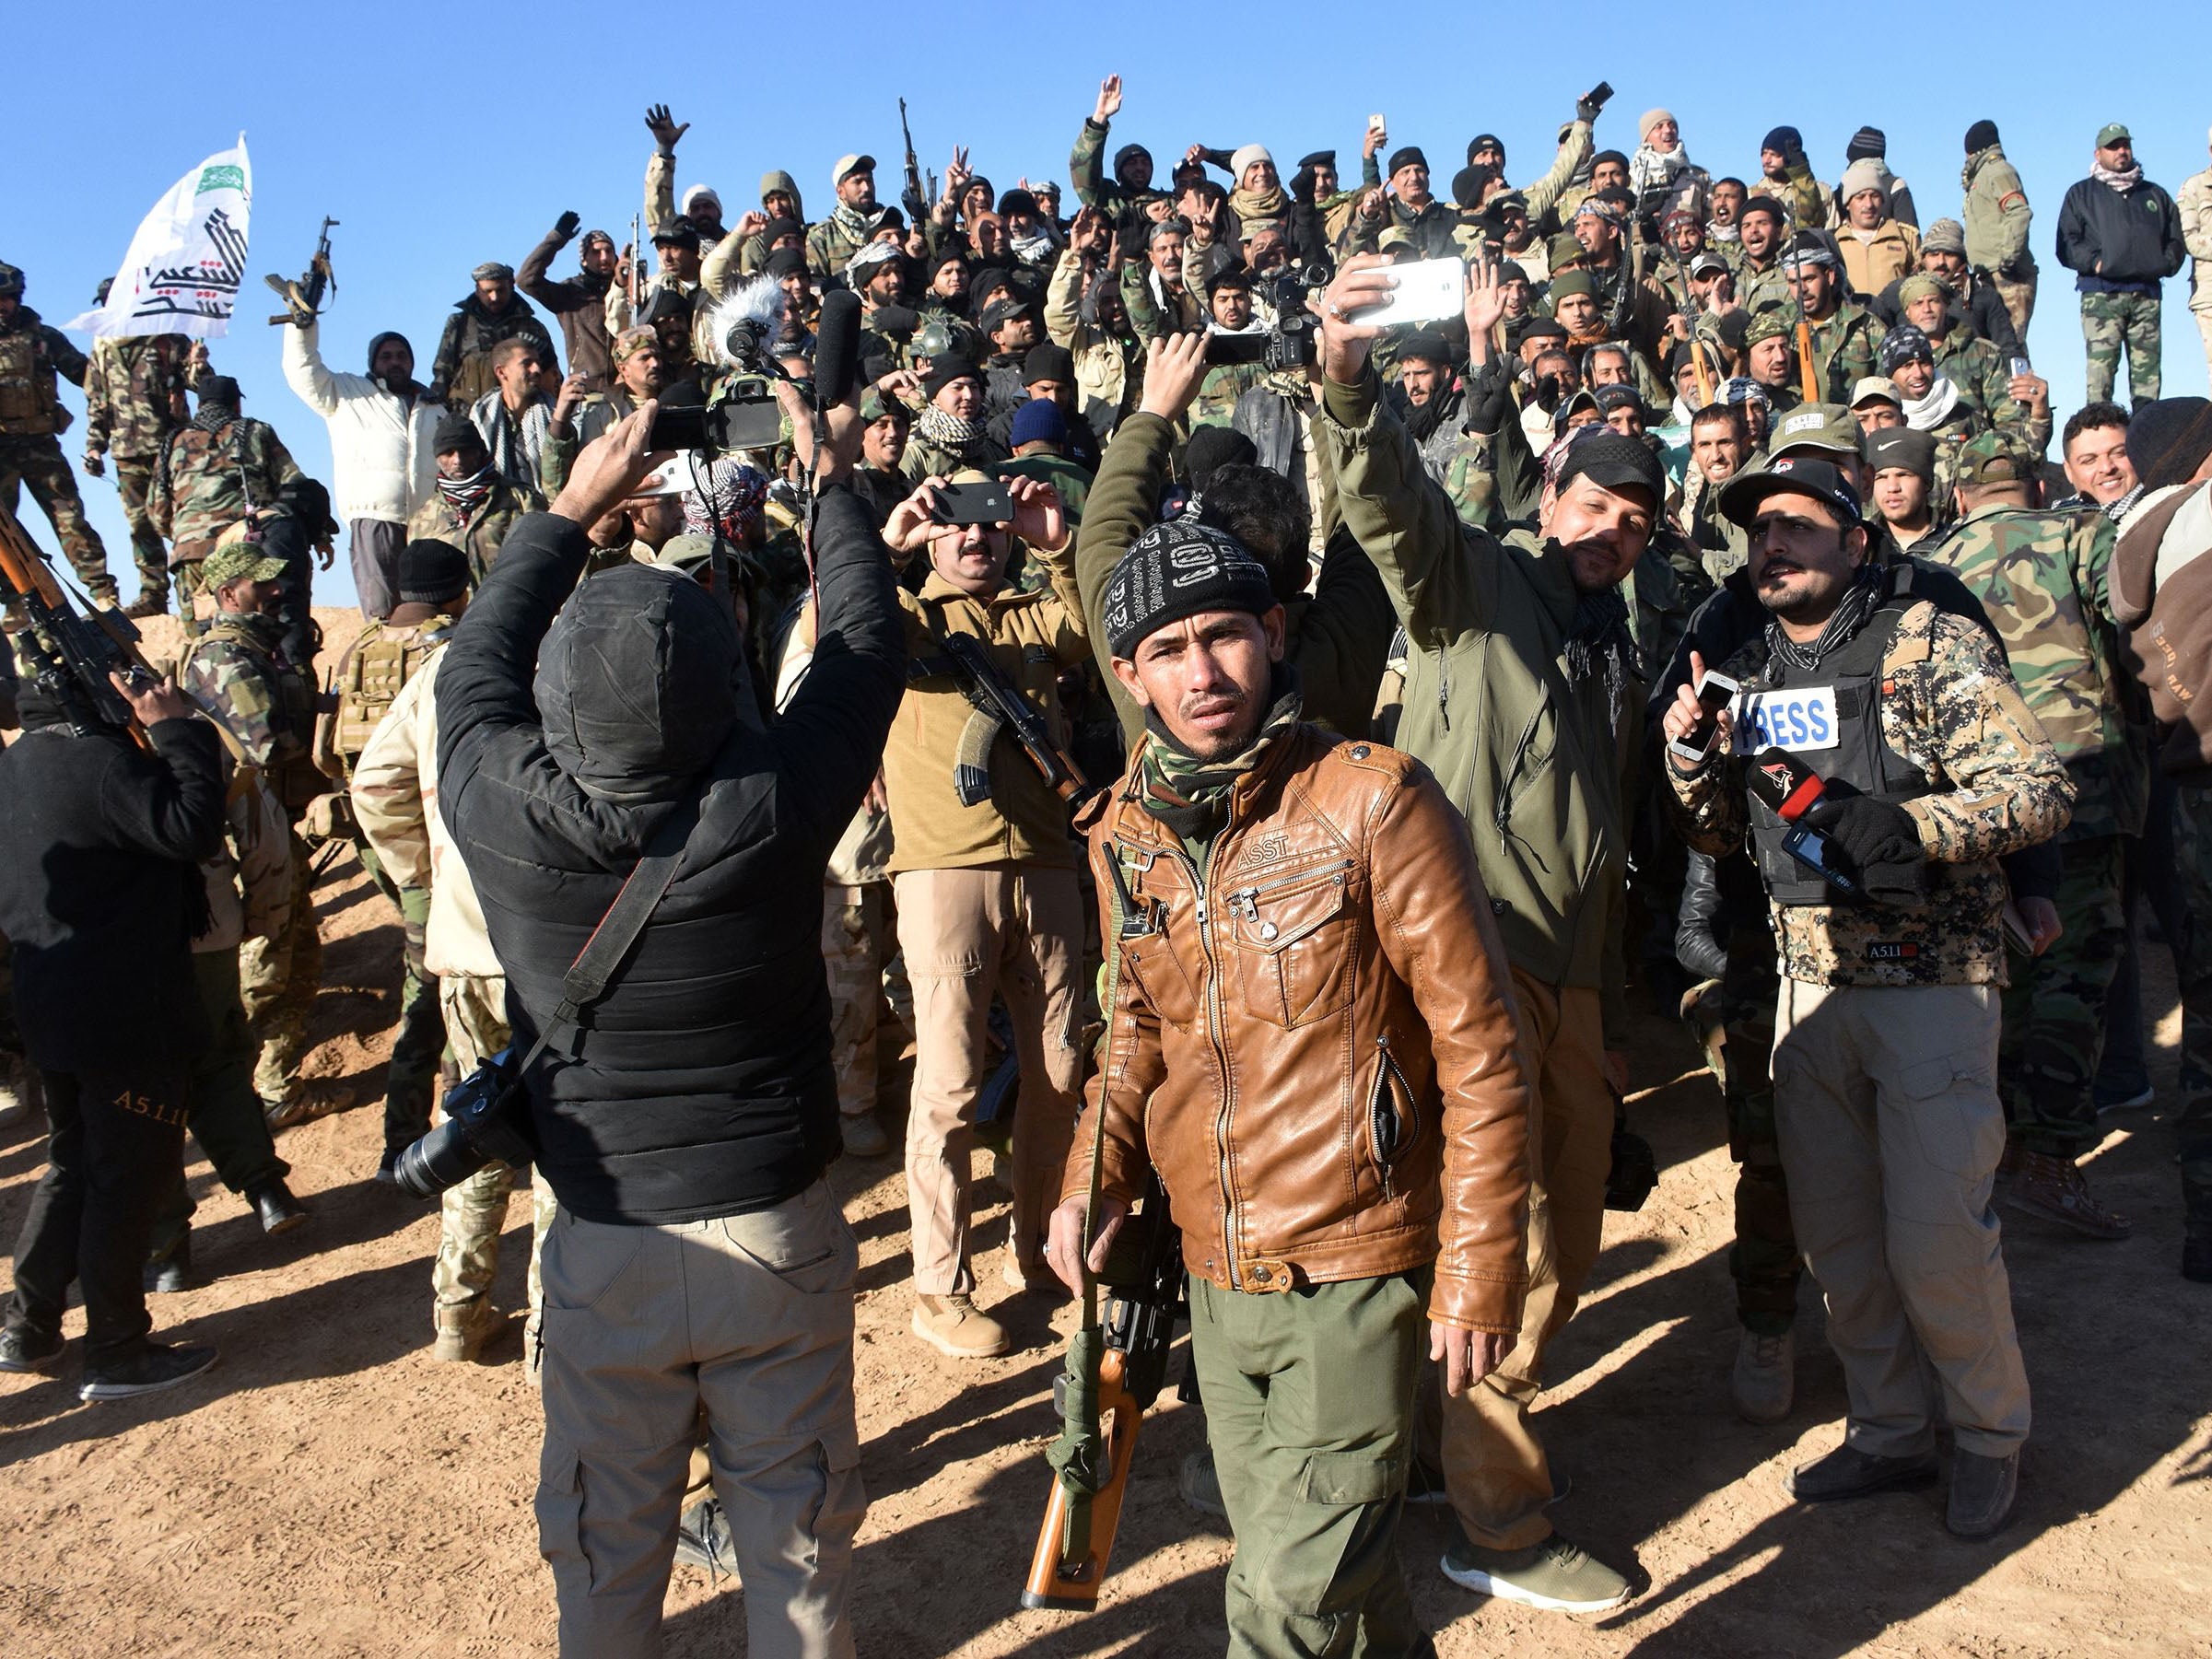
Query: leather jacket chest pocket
[[1150, 960], [1294, 946]]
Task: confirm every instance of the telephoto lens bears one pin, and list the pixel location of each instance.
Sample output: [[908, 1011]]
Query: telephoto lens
[[484, 1116]]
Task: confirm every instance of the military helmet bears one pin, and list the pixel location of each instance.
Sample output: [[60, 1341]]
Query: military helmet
[[941, 337], [11, 279]]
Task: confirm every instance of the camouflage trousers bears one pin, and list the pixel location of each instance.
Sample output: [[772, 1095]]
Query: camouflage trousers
[[277, 979], [184, 576], [134, 482], [2189, 931], [2017, 295], [2053, 1012], [473, 1214], [419, 1044], [1735, 1022], [2110, 321], [2203, 326], [38, 465], [856, 933]]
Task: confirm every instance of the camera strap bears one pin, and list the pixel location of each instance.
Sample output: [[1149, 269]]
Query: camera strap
[[641, 893]]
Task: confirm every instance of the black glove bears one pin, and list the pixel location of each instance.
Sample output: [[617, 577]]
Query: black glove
[[565, 226], [1881, 840], [1489, 397]]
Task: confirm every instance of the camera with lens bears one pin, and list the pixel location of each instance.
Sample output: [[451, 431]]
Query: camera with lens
[[487, 1119], [743, 414], [1291, 341]]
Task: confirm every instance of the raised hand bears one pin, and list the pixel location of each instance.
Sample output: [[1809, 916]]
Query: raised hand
[[1109, 100], [663, 127]]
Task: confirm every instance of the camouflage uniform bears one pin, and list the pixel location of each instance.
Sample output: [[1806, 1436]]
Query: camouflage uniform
[[237, 675], [31, 421], [1948, 704], [2110, 322], [480, 531], [2042, 577], [133, 400], [2194, 203], [1215, 404], [1845, 349], [205, 481]]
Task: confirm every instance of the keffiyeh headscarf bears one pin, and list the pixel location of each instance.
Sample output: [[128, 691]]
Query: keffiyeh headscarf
[[727, 499]]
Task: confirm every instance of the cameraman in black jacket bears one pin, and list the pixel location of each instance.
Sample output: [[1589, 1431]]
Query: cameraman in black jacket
[[101, 896], [698, 1261]]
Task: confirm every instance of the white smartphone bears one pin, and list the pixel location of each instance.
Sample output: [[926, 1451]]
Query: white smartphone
[[1714, 692], [1428, 290], [1377, 124]]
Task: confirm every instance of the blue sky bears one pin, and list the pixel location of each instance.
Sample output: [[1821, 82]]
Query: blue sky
[[444, 136]]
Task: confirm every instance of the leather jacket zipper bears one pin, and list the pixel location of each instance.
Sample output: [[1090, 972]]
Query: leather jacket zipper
[[1246, 899], [1406, 1131], [1213, 1030]]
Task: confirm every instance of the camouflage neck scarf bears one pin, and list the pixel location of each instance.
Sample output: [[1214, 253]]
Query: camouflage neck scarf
[[1191, 796]]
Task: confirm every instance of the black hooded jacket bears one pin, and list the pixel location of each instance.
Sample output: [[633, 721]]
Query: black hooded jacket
[[700, 1084], [100, 890]]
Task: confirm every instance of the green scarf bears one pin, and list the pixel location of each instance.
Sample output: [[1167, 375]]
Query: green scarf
[[1191, 796]]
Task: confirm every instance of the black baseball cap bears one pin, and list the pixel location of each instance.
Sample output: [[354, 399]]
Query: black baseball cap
[[1806, 474], [1615, 462]]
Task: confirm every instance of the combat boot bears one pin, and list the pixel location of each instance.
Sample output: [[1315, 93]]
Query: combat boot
[[1982, 1490], [1765, 1381], [275, 1207], [172, 1272], [464, 1330], [2054, 1188], [147, 604], [954, 1326]]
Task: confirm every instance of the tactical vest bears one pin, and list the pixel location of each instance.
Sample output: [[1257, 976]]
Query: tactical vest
[[28, 406], [297, 781], [382, 661], [1860, 758]]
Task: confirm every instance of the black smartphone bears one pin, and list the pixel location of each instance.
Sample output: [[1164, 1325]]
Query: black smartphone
[[678, 427], [1236, 348], [972, 503]]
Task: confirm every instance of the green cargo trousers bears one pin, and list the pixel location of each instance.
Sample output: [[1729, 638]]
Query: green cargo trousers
[[1309, 1409]]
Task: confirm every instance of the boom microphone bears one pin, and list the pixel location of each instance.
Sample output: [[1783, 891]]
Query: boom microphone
[[837, 349]]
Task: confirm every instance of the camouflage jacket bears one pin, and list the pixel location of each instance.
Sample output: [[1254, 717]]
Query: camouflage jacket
[[208, 480], [462, 372], [1995, 785], [134, 395], [237, 675], [2044, 578], [1844, 350], [1983, 375], [32, 353], [480, 532]]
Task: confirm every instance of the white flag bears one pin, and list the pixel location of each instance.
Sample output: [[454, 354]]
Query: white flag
[[183, 272]]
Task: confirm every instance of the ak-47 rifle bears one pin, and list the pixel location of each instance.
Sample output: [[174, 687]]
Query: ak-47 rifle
[[1115, 1366], [637, 263], [303, 299], [1809, 378], [917, 200], [1695, 313], [61, 647], [999, 707]]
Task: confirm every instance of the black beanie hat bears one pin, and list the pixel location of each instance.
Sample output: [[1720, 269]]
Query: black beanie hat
[[2169, 438], [944, 370], [1484, 141], [1212, 448], [455, 432], [1981, 135], [1406, 155], [1783, 140], [1128, 152], [1868, 144], [218, 392], [1046, 361], [1468, 183], [1177, 570], [378, 343], [432, 573]]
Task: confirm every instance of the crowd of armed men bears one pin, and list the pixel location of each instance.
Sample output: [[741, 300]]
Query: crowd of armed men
[[1688, 605]]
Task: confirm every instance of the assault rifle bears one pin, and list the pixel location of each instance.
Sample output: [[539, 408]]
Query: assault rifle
[[916, 199], [65, 651], [1809, 378], [1694, 312], [303, 299], [1102, 1397], [999, 707]]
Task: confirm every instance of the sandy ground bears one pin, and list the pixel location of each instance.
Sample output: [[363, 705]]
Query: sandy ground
[[328, 1491]]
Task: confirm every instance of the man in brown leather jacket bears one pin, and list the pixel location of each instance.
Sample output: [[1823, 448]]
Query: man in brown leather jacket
[[1313, 1042]]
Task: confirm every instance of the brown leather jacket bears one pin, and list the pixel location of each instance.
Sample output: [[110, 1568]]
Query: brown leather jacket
[[1318, 1053]]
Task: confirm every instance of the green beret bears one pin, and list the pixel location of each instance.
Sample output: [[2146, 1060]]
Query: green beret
[[1768, 323], [1920, 285], [1577, 281]]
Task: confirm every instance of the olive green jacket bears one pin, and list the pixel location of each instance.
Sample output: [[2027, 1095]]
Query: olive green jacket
[[1537, 763]]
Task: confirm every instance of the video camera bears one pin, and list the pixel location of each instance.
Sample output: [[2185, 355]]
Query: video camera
[[743, 414], [1293, 340]]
